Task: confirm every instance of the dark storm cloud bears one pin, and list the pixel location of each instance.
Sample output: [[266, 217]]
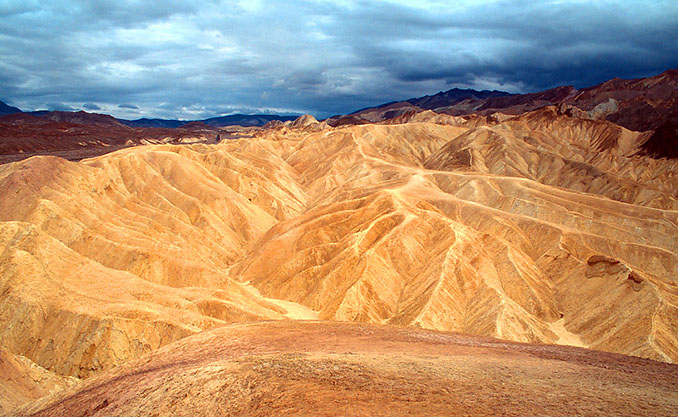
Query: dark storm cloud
[[198, 59], [537, 46]]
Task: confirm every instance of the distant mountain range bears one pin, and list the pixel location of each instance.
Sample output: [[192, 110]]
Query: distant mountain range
[[639, 104], [455, 95], [245, 120], [79, 134]]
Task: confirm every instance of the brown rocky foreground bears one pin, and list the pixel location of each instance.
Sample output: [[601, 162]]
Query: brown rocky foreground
[[294, 368]]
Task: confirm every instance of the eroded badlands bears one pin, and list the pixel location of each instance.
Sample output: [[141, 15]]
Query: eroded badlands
[[540, 228]]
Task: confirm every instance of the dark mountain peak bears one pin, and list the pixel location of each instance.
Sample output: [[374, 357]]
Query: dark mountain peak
[[7, 109], [245, 120], [220, 121], [453, 96], [146, 122]]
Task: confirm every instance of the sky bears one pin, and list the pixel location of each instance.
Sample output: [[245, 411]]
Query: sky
[[196, 59]]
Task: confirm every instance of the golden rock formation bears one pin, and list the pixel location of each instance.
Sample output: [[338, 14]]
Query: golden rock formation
[[491, 234], [539, 228]]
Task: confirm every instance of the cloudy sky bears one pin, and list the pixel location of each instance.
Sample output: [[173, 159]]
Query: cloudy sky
[[193, 59]]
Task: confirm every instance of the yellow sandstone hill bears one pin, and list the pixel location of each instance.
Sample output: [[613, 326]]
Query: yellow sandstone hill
[[540, 228]]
